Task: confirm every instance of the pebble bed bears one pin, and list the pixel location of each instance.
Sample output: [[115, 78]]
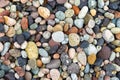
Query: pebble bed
[[59, 39]]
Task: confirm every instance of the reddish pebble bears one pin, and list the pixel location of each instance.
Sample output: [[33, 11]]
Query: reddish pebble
[[1, 19], [117, 14], [118, 36], [20, 71], [61, 1], [76, 10], [39, 63], [56, 56], [53, 43], [5, 13], [24, 23], [73, 30]]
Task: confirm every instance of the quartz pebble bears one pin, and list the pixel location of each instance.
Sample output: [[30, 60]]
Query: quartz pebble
[[60, 15], [9, 21], [43, 52], [58, 36], [6, 48], [115, 30], [1, 48], [83, 12], [79, 23]]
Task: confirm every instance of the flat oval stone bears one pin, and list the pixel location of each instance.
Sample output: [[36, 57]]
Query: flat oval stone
[[61, 1], [92, 3], [74, 39], [83, 12], [55, 74], [43, 52], [32, 50], [79, 23], [58, 36], [115, 30], [60, 15]]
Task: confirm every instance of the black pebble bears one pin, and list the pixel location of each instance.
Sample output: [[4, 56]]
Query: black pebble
[[53, 49], [20, 38], [114, 5], [5, 39], [106, 21], [98, 62], [96, 29], [30, 20], [10, 76], [100, 42]]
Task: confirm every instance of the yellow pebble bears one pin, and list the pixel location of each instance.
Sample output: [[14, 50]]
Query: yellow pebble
[[93, 12], [117, 49], [97, 74], [91, 59]]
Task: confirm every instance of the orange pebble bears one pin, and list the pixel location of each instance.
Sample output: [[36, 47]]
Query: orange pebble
[[38, 44], [76, 9], [118, 36], [56, 56], [39, 63]]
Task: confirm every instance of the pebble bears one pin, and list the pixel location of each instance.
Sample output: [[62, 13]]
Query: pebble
[[9, 21], [93, 12], [82, 58], [73, 68], [28, 76], [109, 15], [20, 71], [87, 77], [32, 50], [55, 74], [4, 3], [91, 59], [69, 13], [74, 39], [20, 38], [83, 12], [23, 54], [101, 3], [15, 53], [87, 68], [60, 15], [110, 25], [58, 27], [21, 61], [114, 78], [76, 9], [6, 48], [11, 32], [1, 47], [44, 12], [91, 23], [118, 22], [58, 36], [53, 64], [24, 23], [92, 4], [74, 76], [115, 30], [13, 8], [108, 36], [33, 26], [32, 63], [46, 60], [68, 5], [61, 1], [72, 53], [104, 53], [79, 23], [43, 52], [10, 76], [112, 56], [2, 73]]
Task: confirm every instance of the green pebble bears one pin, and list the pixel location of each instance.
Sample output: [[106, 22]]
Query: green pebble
[[60, 15], [2, 73], [33, 26]]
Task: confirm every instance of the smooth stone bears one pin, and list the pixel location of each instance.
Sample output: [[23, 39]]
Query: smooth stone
[[2, 73], [24, 45], [98, 62], [87, 77], [2, 28], [41, 2], [83, 12], [21, 61], [11, 32], [110, 25], [114, 78], [28, 76], [109, 15], [79, 23], [43, 52], [100, 42], [91, 59], [100, 3], [117, 61], [115, 30], [32, 50], [9, 21], [55, 74], [61, 1], [44, 12], [32, 63], [68, 5], [46, 34], [1, 47], [10, 76], [60, 15], [109, 67], [116, 66], [74, 76], [20, 38], [3, 3], [74, 39], [73, 68], [33, 26], [77, 2], [54, 64], [35, 70], [92, 4], [24, 54], [91, 49], [118, 22], [5, 68], [6, 48], [87, 68], [15, 53], [69, 20], [58, 36], [13, 8], [69, 13], [46, 60], [108, 36], [72, 53], [112, 56], [84, 44], [91, 23], [116, 42], [82, 58]]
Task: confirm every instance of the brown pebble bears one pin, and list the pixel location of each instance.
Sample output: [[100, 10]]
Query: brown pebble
[[39, 63], [94, 78], [56, 56], [20, 71], [57, 27], [28, 76], [118, 36], [38, 44], [4, 3], [24, 23], [5, 13], [76, 9], [1, 19], [66, 27], [107, 78], [73, 30], [23, 1], [53, 43], [117, 14], [7, 62]]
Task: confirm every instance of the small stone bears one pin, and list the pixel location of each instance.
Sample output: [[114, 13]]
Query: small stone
[[117, 36], [109, 67], [28, 76], [9, 21], [93, 12], [76, 9], [73, 68], [13, 8], [14, 52], [33, 26], [35, 70], [92, 3], [68, 5], [87, 68], [11, 32], [39, 63], [74, 39], [118, 22], [115, 30], [46, 34], [117, 14], [2, 73], [82, 58], [3, 3], [20, 71], [53, 64], [73, 30], [55, 74], [100, 3], [56, 56], [1, 47], [32, 50], [6, 48], [1, 19], [98, 62], [84, 44], [74, 76], [21, 61], [58, 36], [72, 53], [110, 25], [114, 78], [44, 12], [20, 39], [117, 49], [43, 52], [60, 15], [57, 27], [108, 36], [104, 53], [24, 54], [24, 23], [79, 23], [91, 23], [32, 63], [23, 1], [69, 13], [112, 56], [10, 76], [87, 77], [61, 1], [109, 15], [83, 12], [46, 60], [91, 59]]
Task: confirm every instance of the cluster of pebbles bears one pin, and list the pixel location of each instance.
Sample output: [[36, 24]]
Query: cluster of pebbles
[[59, 39]]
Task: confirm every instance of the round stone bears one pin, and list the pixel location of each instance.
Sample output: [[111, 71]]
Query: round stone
[[46, 34], [55, 74], [74, 39], [79, 23], [69, 13], [61, 1], [92, 3], [58, 36], [43, 52], [91, 59], [60, 15], [2, 73]]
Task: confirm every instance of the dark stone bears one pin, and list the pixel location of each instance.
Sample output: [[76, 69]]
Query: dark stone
[[30, 20], [52, 3], [111, 46], [26, 35], [31, 9], [106, 21], [114, 5], [19, 7], [2, 30], [53, 49], [62, 49], [98, 62], [83, 3], [60, 8], [42, 40], [20, 38], [104, 53], [118, 75], [65, 59], [10, 76], [22, 61], [84, 44], [100, 42], [5, 39], [21, 78], [73, 68], [49, 7], [5, 68], [109, 67], [96, 29], [117, 61]]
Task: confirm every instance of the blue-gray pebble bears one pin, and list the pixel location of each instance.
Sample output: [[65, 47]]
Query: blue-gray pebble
[[2, 73], [118, 23], [79, 23], [6, 47], [43, 52], [92, 4], [60, 15], [33, 26]]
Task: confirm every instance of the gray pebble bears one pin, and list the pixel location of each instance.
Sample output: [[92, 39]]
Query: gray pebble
[[118, 22], [46, 34], [24, 54], [87, 68], [92, 3], [60, 15], [6, 48], [33, 26], [74, 76], [100, 3], [87, 77], [2, 73], [79, 23]]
